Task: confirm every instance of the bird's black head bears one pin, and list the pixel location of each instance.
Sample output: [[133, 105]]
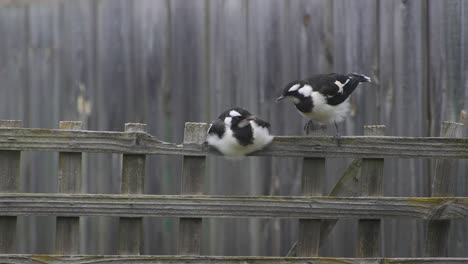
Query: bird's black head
[[291, 90], [236, 117]]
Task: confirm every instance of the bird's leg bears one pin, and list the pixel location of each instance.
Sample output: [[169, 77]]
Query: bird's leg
[[307, 126], [337, 136]]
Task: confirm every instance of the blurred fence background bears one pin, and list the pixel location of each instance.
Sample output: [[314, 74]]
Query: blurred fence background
[[165, 62]]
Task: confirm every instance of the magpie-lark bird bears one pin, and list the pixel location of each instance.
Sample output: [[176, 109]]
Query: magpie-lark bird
[[323, 97], [237, 132]]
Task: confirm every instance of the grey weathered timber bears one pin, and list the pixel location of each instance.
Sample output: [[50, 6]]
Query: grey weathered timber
[[347, 186], [197, 206], [90, 259], [67, 234], [9, 176], [368, 244], [193, 171], [438, 230], [291, 146], [133, 176], [313, 175]]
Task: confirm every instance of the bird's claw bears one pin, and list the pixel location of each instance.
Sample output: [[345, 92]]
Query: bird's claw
[[307, 127], [338, 138]]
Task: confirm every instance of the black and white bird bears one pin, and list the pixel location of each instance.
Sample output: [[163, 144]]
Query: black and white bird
[[237, 132], [323, 97]]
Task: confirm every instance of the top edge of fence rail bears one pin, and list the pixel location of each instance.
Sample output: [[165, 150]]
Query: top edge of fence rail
[[42, 258]]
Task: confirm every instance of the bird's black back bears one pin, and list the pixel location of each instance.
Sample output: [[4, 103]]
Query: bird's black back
[[325, 84], [243, 134]]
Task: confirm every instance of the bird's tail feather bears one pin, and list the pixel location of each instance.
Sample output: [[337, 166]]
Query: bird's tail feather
[[359, 77]]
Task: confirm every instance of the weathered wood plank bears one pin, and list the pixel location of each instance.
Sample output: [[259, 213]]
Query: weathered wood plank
[[67, 235], [233, 206], [292, 146], [133, 176], [372, 170], [438, 230], [89, 259], [193, 172], [313, 175], [9, 176]]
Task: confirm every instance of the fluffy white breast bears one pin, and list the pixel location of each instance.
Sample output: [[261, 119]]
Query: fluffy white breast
[[229, 146], [324, 113], [261, 136]]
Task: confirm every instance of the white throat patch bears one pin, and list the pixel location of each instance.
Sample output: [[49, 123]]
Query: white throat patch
[[306, 90]]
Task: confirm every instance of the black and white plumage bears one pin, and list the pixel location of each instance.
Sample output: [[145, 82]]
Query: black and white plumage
[[324, 97], [237, 132]]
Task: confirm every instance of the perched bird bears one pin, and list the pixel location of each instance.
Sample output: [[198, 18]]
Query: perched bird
[[237, 132], [323, 97]]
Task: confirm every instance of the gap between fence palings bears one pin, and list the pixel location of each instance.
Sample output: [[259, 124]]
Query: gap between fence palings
[[9, 176], [369, 242], [193, 172], [437, 230], [313, 175], [67, 235], [133, 177]]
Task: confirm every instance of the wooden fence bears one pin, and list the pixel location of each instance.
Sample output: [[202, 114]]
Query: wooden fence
[[317, 214]]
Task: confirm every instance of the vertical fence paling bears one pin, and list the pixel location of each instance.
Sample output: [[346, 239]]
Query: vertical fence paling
[[437, 230], [133, 177], [193, 171], [67, 236], [368, 244], [9, 176], [313, 174]]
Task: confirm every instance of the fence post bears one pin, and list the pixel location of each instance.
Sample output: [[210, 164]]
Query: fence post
[[437, 230], [193, 171], [133, 177], [313, 174], [67, 236], [371, 185], [9, 176]]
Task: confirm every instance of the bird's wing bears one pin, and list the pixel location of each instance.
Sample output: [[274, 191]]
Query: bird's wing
[[261, 123], [330, 85]]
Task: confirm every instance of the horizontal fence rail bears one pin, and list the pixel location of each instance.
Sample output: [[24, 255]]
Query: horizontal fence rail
[[236, 206], [28, 139], [33, 259]]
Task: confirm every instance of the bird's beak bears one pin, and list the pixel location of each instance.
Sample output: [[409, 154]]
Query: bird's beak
[[280, 98]]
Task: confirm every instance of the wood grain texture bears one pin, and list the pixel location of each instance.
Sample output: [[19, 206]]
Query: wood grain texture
[[233, 206], [9, 177], [67, 233], [438, 230], [292, 146], [193, 172], [133, 176], [313, 175], [53, 259], [372, 172]]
